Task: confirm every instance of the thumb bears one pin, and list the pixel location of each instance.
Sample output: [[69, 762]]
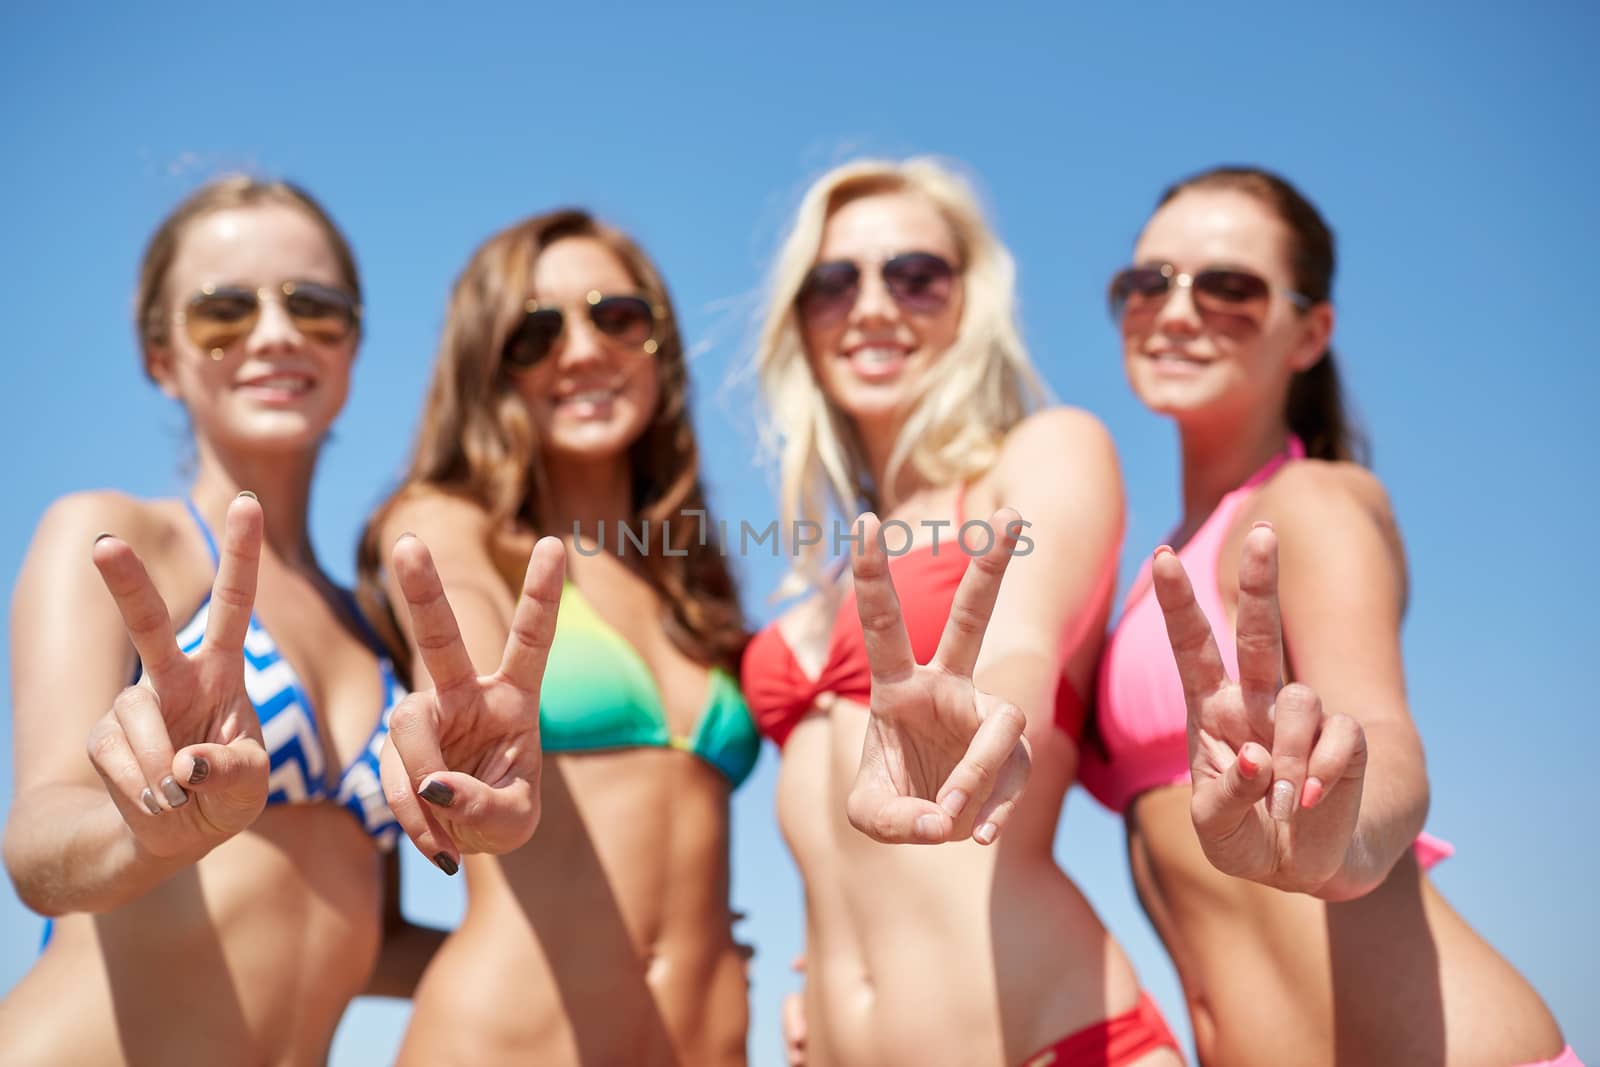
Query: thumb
[[232, 778], [1222, 804]]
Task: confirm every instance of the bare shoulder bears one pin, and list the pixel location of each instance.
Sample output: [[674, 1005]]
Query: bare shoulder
[[155, 529], [1057, 435], [435, 516], [1321, 495], [1060, 457]]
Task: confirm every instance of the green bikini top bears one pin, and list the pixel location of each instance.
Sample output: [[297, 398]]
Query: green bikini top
[[598, 693]]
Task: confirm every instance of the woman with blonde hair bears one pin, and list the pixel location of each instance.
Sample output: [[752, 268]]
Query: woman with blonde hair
[[559, 407], [216, 861], [913, 706]]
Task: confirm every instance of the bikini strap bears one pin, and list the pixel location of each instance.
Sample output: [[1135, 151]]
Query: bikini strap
[[205, 531]]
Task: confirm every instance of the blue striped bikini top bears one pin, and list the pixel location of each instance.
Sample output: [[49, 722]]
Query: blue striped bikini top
[[289, 728]]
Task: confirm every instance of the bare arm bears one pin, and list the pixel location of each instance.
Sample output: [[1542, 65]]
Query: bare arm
[[1342, 595], [175, 766], [1059, 471]]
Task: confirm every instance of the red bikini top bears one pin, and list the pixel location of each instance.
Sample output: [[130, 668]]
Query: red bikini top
[[779, 691]]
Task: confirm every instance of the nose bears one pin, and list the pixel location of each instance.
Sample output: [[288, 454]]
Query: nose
[[1177, 313], [275, 329], [874, 305], [581, 344]]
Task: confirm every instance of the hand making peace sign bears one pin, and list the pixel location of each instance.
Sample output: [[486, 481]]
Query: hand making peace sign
[[942, 760], [1277, 782], [181, 752], [469, 746]]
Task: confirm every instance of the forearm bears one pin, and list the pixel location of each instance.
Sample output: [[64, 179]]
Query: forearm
[[407, 950], [68, 849], [1394, 806]]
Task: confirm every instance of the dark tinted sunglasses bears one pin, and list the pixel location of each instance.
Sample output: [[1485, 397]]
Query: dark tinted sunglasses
[[920, 282], [630, 321], [219, 316], [1226, 289]]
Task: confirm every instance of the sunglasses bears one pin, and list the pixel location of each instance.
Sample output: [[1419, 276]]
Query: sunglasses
[[630, 321], [219, 316], [919, 282], [1225, 289]]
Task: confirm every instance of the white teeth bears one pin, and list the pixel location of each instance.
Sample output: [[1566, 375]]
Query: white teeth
[[592, 396], [877, 357], [289, 383]]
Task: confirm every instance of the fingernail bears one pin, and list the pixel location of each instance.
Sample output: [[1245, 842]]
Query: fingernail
[[1261, 524], [1163, 548], [173, 792], [1313, 793], [985, 834], [248, 493], [443, 861], [101, 537], [403, 536], [927, 827], [953, 802], [437, 793], [148, 798], [1282, 799], [1247, 766], [202, 770]]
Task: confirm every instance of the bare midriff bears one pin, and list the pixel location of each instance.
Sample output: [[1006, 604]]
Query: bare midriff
[[249, 956], [607, 938], [1395, 977], [954, 953]]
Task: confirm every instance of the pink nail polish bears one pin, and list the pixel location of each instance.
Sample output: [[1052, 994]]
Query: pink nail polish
[[1247, 766], [1312, 794], [985, 834]]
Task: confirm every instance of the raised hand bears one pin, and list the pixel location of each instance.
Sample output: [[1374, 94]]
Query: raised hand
[[942, 760], [469, 747], [1277, 782], [181, 752]]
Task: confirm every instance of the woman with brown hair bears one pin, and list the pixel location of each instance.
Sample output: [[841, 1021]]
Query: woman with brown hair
[[559, 407], [216, 864], [1275, 830]]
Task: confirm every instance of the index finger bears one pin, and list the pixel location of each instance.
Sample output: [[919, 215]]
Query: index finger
[[533, 626], [883, 627], [144, 613], [433, 624], [1259, 630], [975, 597], [1194, 647], [233, 592]]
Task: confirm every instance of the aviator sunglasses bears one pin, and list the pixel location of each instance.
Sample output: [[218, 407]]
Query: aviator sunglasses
[[219, 316], [1226, 289], [630, 321], [920, 282]]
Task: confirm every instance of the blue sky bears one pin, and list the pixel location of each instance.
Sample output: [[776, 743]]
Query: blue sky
[[1452, 148]]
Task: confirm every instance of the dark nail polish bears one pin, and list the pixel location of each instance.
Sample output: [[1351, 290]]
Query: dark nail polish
[[173, 792], [148, 798], [202, 770], [445, 863], [101, 537], [438, 794]]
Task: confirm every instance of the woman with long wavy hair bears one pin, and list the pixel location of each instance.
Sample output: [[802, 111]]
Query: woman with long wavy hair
[[560, 407], [911, 703]]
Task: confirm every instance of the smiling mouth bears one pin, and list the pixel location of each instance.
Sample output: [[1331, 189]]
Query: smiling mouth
[[877, 361], [286, 385]]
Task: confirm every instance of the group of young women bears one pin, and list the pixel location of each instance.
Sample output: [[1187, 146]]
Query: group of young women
[[215, 762]]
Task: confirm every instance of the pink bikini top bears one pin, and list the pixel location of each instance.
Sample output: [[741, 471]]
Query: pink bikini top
[[1140, 713]]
